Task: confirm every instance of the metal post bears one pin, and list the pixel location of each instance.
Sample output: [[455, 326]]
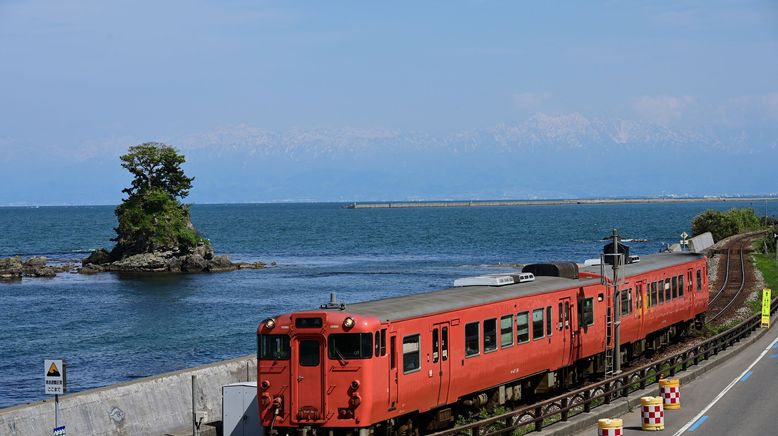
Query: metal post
[[194, 418], [56, 410], [616, 305]]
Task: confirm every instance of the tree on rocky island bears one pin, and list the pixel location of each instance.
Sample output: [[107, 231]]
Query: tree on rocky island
[[155, 232], [152, 217]]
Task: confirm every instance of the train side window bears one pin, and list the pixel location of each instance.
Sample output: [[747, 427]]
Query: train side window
[[668, 290], [377, 344], [506, 331], [383, 342], [651, 288], [699, 280], [624, 296], [411, 353], [537, 323], [680, 285], [392, 353], [471, 339], [560, 320], [522, 327], [675, 287], [444, 343], [585, 312], [567, 314], [661, 286], [435, 345], [490, 335], [549, 330]]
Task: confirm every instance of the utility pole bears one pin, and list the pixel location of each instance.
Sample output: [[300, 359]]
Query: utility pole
[[616, 304]]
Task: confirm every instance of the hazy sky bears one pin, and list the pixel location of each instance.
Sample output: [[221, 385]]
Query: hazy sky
[[81, 80]]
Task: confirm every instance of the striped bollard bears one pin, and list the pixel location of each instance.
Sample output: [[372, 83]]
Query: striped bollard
[[610, 427], [653, 413], [670, 390]]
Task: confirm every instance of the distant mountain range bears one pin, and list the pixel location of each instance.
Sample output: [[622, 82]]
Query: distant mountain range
[[545, 156], [541, 131]]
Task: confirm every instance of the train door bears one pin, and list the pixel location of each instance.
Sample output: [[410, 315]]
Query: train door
[[688, 290], [308, 392], [639, 306], [393, 372], [575, 327], [566, 330], [440, 372]]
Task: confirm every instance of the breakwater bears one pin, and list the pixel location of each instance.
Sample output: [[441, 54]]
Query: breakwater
[[155, 405], [478, 203]]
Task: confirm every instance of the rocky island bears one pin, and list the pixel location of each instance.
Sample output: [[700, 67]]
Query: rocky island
[[155, 232]]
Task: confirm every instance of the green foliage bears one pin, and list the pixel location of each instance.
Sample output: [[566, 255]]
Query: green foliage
[[724, 224], [156, 166], [151, 218], [769, 268], [154, 221], [767, 240]]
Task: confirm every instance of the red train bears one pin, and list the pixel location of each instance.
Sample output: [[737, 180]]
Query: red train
[[408, 365]]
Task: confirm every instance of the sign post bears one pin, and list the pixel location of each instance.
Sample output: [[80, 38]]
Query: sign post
[[54, 384], [766, 307]]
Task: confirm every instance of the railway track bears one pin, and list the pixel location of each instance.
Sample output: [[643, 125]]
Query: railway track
[[737, 277]]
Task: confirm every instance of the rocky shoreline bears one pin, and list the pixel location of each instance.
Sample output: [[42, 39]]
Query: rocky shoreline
[[14, 268], [202, 259]]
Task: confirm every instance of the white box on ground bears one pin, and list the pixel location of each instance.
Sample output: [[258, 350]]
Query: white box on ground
[[240, 413]]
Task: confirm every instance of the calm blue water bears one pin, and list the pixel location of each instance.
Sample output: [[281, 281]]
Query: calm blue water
[[112, 328]]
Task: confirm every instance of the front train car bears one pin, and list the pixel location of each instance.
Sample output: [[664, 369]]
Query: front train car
[[315, 370]]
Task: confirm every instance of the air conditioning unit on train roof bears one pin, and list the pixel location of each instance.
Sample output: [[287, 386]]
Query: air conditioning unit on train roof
[[494, 280]]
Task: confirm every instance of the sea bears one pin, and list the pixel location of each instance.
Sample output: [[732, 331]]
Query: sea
[[112, 327]]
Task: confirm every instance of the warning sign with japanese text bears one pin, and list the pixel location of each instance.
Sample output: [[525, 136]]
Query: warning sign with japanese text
[[54, 377]]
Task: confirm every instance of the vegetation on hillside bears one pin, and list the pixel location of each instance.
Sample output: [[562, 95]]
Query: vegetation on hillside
[[725, 224], [152, 217]]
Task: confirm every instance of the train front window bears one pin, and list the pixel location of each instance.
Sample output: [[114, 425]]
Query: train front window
[[274, 347], [309, 353], [347, 346]]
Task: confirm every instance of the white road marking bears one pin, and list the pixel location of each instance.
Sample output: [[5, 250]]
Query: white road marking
[[724, 392]]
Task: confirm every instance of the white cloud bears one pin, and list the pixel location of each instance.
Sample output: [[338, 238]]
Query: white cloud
[[662, 109]]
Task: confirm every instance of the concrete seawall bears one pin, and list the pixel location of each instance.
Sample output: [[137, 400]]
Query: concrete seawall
[[481, 203], [154, 405]]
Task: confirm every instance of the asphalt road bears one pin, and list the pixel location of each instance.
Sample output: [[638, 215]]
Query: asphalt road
[[739, 397]]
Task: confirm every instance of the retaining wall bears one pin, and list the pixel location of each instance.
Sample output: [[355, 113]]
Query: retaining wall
[[148, 406]]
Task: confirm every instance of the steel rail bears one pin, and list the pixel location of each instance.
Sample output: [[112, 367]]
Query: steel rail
[[726, 279], [742, 284], [584, 399]]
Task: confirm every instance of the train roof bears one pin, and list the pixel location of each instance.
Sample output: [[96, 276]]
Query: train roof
[[427, 303]]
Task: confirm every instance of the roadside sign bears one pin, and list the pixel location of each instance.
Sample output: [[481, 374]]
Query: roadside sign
[[59, 431], [54, 376], [766, 307]]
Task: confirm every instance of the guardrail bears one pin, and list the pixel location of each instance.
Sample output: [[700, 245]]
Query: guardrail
[[561, 408]]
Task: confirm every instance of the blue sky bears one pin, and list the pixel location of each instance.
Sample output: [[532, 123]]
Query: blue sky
[[304, 101]]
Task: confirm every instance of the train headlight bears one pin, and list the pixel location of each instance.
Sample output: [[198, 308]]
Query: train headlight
[[348, 322], [270, 323]]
